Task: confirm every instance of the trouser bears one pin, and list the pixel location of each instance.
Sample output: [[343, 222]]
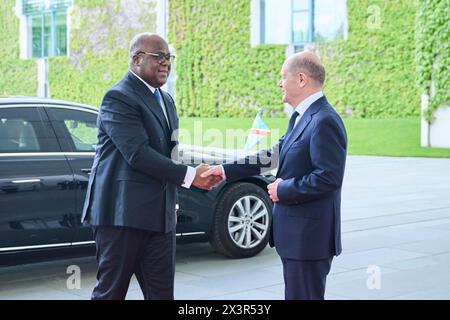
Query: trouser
[[305, 279], [122, 252]]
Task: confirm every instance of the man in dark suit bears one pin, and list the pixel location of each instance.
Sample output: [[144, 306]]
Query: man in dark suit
[[132, 190], [307, 192]]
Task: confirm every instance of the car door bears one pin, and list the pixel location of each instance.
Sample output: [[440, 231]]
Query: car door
[[36, 182], [77, 132]]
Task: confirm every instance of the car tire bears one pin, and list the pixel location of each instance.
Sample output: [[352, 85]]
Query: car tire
[[242, 221]]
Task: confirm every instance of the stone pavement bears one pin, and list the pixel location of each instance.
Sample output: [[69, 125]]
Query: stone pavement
[[396, 245]]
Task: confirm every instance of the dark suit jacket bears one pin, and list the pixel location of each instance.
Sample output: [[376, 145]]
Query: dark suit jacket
[[133, 180], [306, 221]]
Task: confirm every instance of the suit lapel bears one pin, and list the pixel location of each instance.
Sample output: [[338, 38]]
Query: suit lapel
[[144, 93], [305, 120], [170, 109]]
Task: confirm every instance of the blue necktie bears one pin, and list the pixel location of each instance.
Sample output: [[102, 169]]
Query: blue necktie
[[291, 123], [157, 96]]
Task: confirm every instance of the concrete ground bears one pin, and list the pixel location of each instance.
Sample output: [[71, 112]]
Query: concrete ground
[[396, 245]]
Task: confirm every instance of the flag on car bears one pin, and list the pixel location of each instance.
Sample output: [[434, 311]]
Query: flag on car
[[258, 131]]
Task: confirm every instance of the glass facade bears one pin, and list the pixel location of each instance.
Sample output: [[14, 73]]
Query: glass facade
[[299, 22], [47, 27], [329, 19], [38, 6]]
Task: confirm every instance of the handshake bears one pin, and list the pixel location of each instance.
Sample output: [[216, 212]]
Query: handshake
[[208, 177]]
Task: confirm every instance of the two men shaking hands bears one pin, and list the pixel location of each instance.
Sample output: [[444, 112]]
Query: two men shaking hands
[[132, 191]]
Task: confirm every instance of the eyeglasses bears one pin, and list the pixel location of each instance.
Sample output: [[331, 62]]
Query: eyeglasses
[[160, 56]]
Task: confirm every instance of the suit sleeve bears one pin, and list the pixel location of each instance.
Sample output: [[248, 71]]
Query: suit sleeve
[[253, 164], [122, 122], [328, 152]]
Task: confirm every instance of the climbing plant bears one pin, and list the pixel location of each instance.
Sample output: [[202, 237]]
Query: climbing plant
[[99, 35], [218, 72], [370, 74], [433, 52]]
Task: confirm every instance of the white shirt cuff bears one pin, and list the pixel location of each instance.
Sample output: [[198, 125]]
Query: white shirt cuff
[[189, 177], [224, 177]]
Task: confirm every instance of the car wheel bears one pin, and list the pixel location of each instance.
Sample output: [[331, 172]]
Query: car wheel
[[241, 221]]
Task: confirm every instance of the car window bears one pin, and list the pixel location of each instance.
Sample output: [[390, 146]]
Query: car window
[[19, 129], [83, 134], [76, 129]]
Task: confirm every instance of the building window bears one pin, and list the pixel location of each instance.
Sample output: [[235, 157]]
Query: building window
[[330, 20], [298, 22], [301, 23], [46, 27]]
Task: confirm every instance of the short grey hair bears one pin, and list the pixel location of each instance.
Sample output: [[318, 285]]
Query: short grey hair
[[312, 67]]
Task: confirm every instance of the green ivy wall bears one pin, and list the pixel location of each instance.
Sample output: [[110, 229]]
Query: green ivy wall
[[372, 74], [17, 77], [100, 32], [433, 52], [218, 73]]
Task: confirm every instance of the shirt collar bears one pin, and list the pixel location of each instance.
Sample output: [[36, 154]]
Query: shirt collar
[[304, 105], [148, 86]]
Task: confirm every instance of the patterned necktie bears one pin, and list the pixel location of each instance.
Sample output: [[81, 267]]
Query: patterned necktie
[[291, 123]]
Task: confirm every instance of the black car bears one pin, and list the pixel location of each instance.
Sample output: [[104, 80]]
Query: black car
[[46, 153]]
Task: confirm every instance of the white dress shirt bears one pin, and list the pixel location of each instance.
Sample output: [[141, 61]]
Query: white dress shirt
[[190, 173], [305, 104], [162, 105]]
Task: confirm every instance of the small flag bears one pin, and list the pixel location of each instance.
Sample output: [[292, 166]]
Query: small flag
[[258, 131]]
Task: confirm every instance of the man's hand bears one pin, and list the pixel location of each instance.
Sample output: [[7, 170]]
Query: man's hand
[[272, 188], [206, 182], [215, 171]]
